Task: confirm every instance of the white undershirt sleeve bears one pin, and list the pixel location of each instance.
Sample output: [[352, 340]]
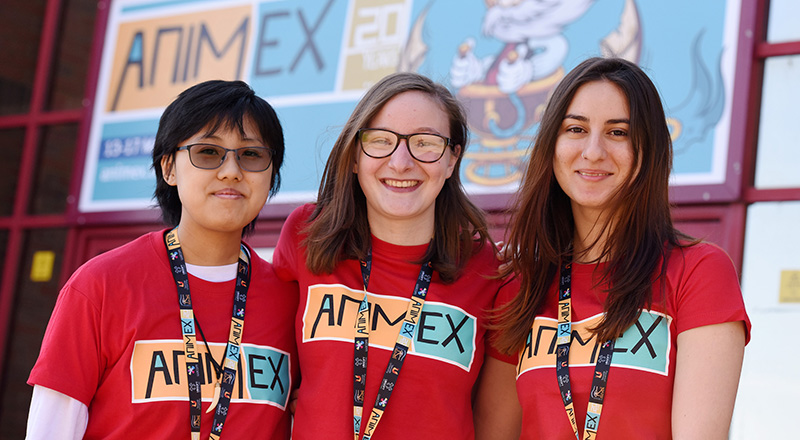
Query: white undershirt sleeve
[[55, 416]]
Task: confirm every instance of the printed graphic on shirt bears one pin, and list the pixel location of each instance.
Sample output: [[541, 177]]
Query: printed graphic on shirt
[[644, 346], [444, 332], [158, 373]]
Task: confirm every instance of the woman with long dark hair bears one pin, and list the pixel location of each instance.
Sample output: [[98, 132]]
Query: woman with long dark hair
[[623, 326]]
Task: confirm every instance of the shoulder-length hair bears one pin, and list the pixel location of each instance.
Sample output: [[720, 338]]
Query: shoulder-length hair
[[639, 228], [338, 228], [211, 106]]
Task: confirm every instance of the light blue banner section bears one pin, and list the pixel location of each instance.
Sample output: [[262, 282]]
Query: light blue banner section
[[125, 156], [124, 179], [130, 128], [309, 133], [297, 46]]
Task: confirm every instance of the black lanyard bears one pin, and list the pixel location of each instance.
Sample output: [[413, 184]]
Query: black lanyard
[[188, 324], [601, 369], [360, 355]]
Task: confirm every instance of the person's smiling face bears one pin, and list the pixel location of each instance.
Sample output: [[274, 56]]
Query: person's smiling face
[[593, 154], [225, 199], [399, 188]]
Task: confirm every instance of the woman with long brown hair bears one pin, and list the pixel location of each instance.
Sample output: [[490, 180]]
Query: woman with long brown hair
[[395, 271], [619, 315]]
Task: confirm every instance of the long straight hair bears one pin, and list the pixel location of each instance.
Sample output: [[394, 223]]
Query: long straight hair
[[338, 228], [638, 228]]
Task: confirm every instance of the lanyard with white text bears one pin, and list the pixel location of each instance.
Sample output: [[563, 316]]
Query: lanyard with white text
[[602, 367], [360, 355], [225, 382]]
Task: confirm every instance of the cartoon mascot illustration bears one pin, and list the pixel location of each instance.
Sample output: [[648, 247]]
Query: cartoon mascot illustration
[[505, 93], [534, 46]]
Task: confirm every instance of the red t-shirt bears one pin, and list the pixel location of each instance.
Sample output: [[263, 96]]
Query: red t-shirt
[[114, 342], [432, 397], [701, 289]]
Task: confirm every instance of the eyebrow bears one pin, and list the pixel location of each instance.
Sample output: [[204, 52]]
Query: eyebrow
[[423, 130], [585, 119], [576, 117], [214, 136]]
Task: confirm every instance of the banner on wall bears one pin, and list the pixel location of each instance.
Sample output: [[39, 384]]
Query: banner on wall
[[313, 60]]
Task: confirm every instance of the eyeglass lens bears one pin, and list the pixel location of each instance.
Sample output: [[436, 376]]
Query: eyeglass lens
[[209, 156], [382, 143]]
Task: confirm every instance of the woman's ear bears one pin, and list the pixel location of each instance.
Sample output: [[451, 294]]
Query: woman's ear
[[452, 159], [168, 169]]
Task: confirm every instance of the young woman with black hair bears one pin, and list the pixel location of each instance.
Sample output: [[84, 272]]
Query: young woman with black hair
[[183, 332]]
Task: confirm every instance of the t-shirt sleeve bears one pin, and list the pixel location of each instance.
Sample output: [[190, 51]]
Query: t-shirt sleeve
[[506, 293], [709, 292], [55, 416], [70, 360], [286, 256]]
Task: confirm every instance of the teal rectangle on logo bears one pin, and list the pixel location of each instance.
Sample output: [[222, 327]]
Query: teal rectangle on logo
[[645, 345], [446, 332], [267, 374]]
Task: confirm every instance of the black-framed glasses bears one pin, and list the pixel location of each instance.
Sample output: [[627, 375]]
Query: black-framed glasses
[[211, 157], [424, 147]]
